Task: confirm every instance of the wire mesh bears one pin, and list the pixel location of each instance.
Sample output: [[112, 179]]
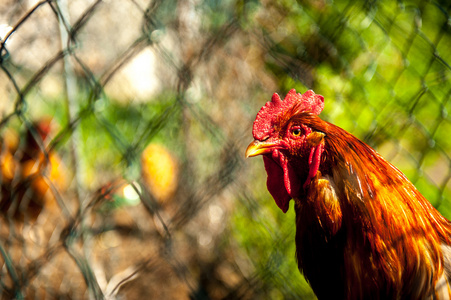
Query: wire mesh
[[124, 125]]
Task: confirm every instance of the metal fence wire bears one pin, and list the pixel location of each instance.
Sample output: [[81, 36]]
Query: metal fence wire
[[124, 123]]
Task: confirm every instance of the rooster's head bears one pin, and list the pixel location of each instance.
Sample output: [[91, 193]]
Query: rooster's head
[[291, 148]]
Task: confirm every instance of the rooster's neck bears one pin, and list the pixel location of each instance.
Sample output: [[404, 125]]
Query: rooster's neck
[[361, 219]]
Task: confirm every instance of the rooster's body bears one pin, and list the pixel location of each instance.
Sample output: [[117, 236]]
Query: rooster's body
[[27, 173], [363, 230]]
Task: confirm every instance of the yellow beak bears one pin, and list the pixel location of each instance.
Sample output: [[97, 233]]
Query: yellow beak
[[257, 148]]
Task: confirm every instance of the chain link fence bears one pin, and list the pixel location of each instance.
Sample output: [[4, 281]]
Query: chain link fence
[[124, 125]]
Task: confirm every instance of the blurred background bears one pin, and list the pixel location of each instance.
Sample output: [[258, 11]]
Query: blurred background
[[124, 123]]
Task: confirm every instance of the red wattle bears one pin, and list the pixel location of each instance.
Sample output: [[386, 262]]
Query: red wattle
[[290, 178], [275, 184], [283, 183]]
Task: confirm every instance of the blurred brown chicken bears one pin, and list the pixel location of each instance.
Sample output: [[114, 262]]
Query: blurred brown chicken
[[27, 171]]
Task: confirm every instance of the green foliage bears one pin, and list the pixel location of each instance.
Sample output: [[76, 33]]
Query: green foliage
[[267, 237]]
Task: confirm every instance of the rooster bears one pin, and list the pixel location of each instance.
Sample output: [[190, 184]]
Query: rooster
[[363, 231]]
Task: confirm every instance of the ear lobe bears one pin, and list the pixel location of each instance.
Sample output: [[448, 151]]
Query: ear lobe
[[315, 138]]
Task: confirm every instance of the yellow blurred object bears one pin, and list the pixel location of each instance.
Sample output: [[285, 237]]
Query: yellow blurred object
[[8, 165], [9, 143], [159, 169]]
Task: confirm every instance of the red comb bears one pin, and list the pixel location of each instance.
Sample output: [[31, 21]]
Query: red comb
[[269, 114]]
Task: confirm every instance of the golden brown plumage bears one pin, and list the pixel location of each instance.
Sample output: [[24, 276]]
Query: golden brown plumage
[[363, 229]]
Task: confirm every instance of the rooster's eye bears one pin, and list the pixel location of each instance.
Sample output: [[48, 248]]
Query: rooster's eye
[[296, 131]]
